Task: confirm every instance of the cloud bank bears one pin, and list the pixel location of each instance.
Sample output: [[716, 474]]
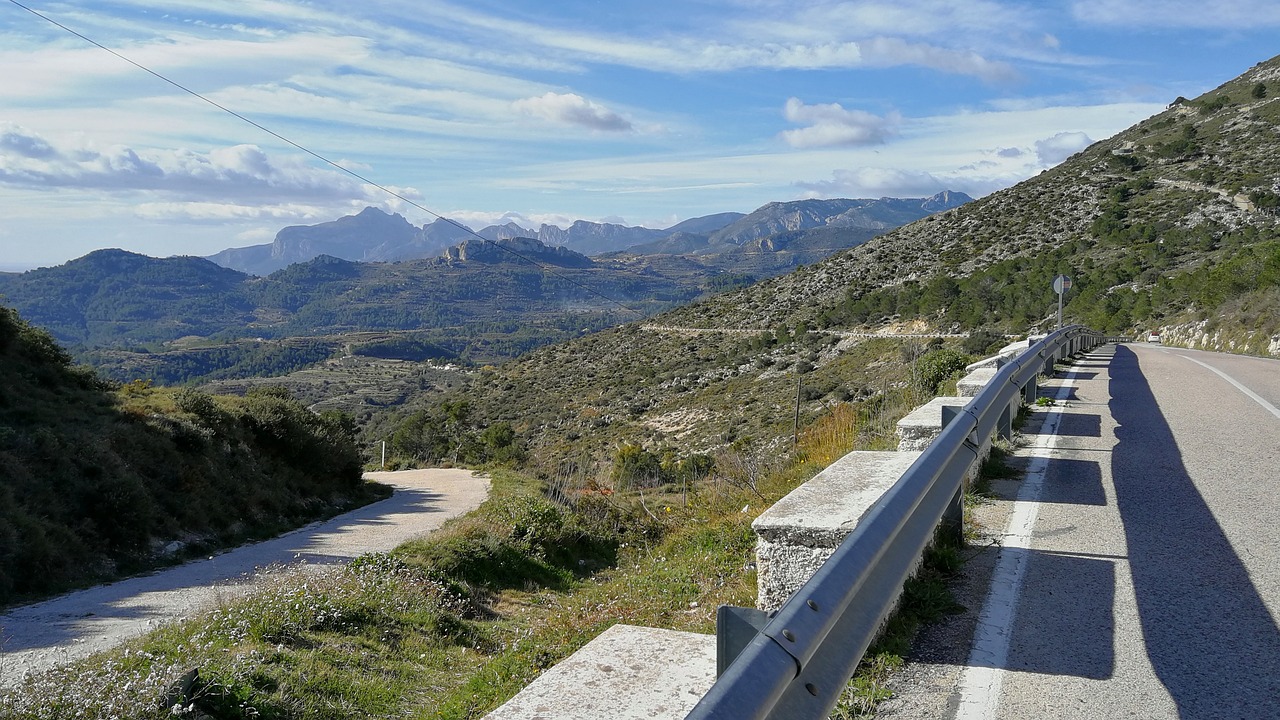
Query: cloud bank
[[1054, 150], [239, 172], [831, 125], [573, 109]]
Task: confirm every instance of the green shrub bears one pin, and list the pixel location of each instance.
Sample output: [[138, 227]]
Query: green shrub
[[935, 367], [980, 342], [633, 467]]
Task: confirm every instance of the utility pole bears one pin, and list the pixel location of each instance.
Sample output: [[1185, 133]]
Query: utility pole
[[384, 454], [795, 432]]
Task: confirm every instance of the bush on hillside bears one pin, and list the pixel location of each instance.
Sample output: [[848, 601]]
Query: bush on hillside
[[96, 482], [935, 367], [446, 434]]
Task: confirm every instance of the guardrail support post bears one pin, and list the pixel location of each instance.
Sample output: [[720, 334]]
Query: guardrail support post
[[953, 517], [1004, 428], [736, 627]]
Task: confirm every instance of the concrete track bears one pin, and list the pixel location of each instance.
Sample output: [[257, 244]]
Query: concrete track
[[78, 624]]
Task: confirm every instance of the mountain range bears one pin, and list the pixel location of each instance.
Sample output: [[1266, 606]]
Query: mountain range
[[483, 300], [1172, 225], [375, 236]]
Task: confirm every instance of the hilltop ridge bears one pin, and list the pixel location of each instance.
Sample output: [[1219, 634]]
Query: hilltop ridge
[[1176, 183], [375, 236], [1171, 223]]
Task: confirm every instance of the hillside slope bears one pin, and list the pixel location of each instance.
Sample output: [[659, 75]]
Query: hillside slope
[[1172, 221], [484, 301], [96, 482], [1131, 219]]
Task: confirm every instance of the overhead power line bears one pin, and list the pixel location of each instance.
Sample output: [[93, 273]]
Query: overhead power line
[[545, 268]]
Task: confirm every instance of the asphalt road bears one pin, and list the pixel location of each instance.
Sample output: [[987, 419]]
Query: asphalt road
[[78, 624], [1138, 574]]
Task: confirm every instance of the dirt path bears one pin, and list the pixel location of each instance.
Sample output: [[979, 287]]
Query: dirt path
[[75, 625]]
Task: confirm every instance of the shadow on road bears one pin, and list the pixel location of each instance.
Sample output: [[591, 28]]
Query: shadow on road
[[1074, 482], [1080, 425], [1074, 628], [1208, 633]]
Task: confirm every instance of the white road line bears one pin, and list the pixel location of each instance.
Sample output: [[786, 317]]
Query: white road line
[[1253, 395], [983, 675]]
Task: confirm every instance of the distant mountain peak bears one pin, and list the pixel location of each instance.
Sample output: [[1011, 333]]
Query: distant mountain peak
[[374, 235], [371, 235], [945, 200], [518, 250], [798, 215]]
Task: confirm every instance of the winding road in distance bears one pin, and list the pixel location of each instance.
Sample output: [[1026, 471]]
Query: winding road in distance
[[71, 626]]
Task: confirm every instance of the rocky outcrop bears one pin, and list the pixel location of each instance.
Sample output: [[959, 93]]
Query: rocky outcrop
[[369, 236], [518, 250]]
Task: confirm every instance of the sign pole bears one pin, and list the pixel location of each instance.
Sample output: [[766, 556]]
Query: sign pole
[[1060, 285]]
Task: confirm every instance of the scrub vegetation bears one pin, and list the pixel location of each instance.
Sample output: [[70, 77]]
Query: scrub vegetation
[[452, 625], [627, 463], [99, 480]]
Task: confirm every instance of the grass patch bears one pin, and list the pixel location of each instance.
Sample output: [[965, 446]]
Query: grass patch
[[926, 598], [450, 626]]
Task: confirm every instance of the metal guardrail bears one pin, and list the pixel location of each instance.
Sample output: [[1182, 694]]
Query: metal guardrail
[[798, 664]]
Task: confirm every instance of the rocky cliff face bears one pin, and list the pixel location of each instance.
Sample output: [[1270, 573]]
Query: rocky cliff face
[[369, 236], [881, 214], [514, 250], [594, 238]]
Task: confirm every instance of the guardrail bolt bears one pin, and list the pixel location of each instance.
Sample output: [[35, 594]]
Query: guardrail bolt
[[812, 605], [813, 689], [790, 636]]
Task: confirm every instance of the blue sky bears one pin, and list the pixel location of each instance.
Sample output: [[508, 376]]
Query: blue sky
[[486, 111]]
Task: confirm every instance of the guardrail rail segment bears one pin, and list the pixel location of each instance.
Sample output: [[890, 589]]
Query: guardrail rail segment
[[798, 663]]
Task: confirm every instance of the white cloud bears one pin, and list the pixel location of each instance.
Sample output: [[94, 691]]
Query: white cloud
[[1205, 14], [877, 182], [889, 52], [82, 71], [219, 213], [1061, 146], [573, 109], [240, 172], [480, 219], [831, 125], [814, 41], [919, 18]]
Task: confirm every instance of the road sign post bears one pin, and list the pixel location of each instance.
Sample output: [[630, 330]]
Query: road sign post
[[1060, 286]]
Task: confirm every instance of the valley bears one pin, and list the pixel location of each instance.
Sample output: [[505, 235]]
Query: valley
[[629, 450]]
